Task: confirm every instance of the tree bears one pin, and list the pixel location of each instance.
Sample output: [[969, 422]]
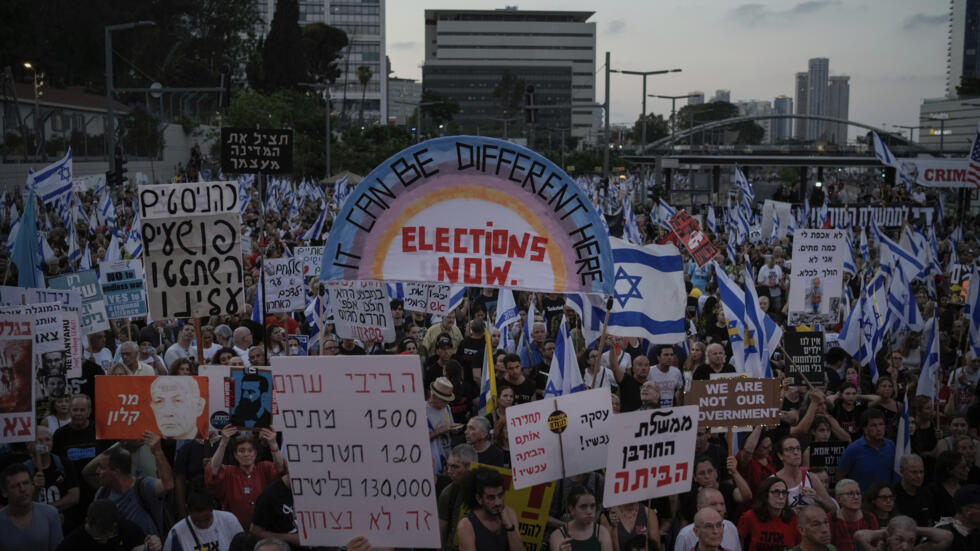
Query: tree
[[364, 75], [509, 93], [441, 109], [691, 116], [283, 59], [323, 45], [656, 128]]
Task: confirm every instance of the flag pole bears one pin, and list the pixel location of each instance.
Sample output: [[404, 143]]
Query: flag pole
[[321, 295], [792, 363]]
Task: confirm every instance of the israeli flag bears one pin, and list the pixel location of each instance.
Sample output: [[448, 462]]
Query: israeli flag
[[883, 154], [591, 310], [791, 223], [631, 230], [662, 213], [488, 379], [865, 250], [650, 299], [822, 215], [774, 234], [396, 291], [506, 310], [731, 247], [903, 444], [709, 219], [733, 304], [929, 376], [112, 252], [53, 182], [86, 261], [892, 255], [341, 190], [850, 265], [456, 295], [527, 351], [258, 304], [863, 332], [762, 334], [742, 183], [316, 230], [563, 376]]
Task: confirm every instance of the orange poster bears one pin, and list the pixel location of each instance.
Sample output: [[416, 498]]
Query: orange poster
[[173, 406]]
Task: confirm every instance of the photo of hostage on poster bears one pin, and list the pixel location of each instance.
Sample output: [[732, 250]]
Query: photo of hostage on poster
[[173, 406], [252, 392]]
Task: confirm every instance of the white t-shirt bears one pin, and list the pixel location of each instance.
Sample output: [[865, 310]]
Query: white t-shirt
[[208, 352], [603, 378], [176, 352], [770, 277], [103, 358], [667, 384], [218, 536], [972, 379], [625, 360]]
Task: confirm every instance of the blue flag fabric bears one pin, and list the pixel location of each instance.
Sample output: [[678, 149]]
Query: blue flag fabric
[[25, 253], [564, 376], [650, 299]]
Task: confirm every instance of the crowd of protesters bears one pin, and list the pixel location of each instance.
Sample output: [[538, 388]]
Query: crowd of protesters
[[762, 492]]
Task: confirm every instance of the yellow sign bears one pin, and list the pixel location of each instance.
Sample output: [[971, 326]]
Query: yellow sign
[[557, 422]]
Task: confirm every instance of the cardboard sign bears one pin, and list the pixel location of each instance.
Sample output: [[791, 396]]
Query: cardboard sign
[[219, 408], [651, 455], [570, 432], [284, 285], [122, 287], [806, 349], [254, 150], [357, 444], [827, 455], [312, 257], [362, 310], [173, 406], [532, 506], [817, 278], [16, 379], [471, 210], [71, 303], [431, 298], [192, 249], [735, 402], [695, 241], [86, 283], [248, 394]]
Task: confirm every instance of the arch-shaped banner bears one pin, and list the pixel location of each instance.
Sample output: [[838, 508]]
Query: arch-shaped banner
[[473, 211]]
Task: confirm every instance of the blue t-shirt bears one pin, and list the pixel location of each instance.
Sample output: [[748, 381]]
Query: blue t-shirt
[[866, 465], [132, 510], [699, 276], [44, 533]]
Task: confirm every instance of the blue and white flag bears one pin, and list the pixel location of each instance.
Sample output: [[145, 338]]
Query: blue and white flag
[[891, 255], [661, 213], [53, 182], [564, 376], [731, 246], [903, 444], [396, 291], [530, 356], [863, 332], [774, 234], [112, 251], [488, 379], [865, 250], [25, 250], [86, 261], [929, 376], [791, 223], [591, 310], [973, 312], [456, 295], [341, 190], [649, 298], [850, 265], [822, 215], [762, 334], [742, 183], [631, 230], [885, 156], [506, 310], [709, 219], [733, 304], [316, 230]]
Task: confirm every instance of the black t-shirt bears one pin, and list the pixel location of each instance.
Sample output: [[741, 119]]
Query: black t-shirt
[[850, 420], [494, 456], [59, 478], [469, 352], [78, 446], [189, 462], [539, 374], [274, 509], [523, 393], [128, 536], [919, 506], [553, 308], [86, 383], [629, 394], [703, 372]]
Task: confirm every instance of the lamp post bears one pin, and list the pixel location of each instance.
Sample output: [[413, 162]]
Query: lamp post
[[38, 83], [644, 74], [673, 118], [111, 122]]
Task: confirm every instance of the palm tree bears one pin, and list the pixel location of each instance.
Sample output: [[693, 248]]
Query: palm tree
[[364, 75]]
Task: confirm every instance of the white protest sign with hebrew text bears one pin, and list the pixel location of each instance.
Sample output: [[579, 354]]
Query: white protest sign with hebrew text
[[86, 282], [284, 290], [16, 379], [362, 310], [651, 455], [430, 298], [71, 303], [312, 258], [817, 284], [357, 442], [192, 251], [584, 419]]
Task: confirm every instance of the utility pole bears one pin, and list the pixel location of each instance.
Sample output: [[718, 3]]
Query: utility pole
[[673, 112], [605, 106], [111, 121], [645, 74]]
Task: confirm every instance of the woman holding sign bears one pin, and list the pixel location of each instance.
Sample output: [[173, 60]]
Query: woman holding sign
[[581, 533]]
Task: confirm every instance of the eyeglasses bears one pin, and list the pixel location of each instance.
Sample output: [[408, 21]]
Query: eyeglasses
[[778, 492]]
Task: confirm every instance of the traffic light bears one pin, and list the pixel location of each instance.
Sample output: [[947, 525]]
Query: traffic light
[[119, 167], [529, 112]]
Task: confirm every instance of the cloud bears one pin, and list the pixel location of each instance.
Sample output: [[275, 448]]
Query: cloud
[[407, 45], [755, 14], [616, 26], [922, 20]]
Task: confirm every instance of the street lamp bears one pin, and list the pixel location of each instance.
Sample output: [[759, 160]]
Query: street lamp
[[645, 74], [111, 123], [326, 116], [38, 84], [673, 104]]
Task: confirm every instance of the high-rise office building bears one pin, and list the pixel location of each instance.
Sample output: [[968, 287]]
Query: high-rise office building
[[404, 95], [695, 98], [802, 91], [722, 95], [819, 73], [782, 129], [758, 107], [963, 49], [364, 23], [467, 53], [839, 93]]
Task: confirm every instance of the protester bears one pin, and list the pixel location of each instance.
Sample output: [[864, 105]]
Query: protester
[[582, 532], [453, 496], [477, 434], [105, 529], [870, 458], [965, 524], [274, 515], [490, 525], [709, 498], [24, 524], [770, 524], [203, 527], [814, 526], [238, 486]]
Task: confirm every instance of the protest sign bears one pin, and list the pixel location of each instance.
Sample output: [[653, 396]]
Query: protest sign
[[568, 432], [222, 401], [173, 406], [192, 249], [16, 379], [284, 288], [254, 150], [93, 312], [472, 211], [650, 455], [312, 257], [827, 455], [817, 276], [431, 298], [70, 303], [357, 444], [362, 310], [735, 402], [886, 216], [122, 287], [806, 350], [689, 233], [248, 392], [50, 367], [532, 506]]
